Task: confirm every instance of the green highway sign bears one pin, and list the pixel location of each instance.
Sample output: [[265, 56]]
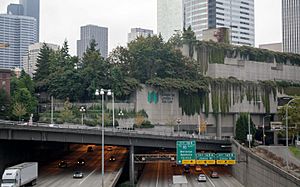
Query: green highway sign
[[225, 156], [206, 158], [186, 152]]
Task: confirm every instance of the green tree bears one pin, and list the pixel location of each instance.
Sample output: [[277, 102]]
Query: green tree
[[241, 130], [19, 110], [43, 68], [67, 114], [4, 104], [293, 117], [95, 71]]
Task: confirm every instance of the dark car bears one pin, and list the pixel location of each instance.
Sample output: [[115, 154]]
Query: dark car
[[214, 174], [78, 174], [112, 158], [62, 164], [80, 161], [90, 149]]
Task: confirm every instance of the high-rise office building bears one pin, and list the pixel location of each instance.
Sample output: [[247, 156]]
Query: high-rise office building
[[15, 9], [32, 9], [237, 15], [170, 16], [18, 32], [138, 32], [30, 59], [291, 26], [89, 33]]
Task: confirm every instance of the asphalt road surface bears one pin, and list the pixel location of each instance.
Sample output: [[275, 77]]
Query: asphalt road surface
[[50, 175], [160, 175]]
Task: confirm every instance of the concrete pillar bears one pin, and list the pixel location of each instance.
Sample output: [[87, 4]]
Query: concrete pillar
[[219, 125], [275, 138], [131, 165], [235, 118]]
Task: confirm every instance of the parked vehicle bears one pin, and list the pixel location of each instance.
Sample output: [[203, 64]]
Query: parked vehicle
[[20, 175], [202, 178]]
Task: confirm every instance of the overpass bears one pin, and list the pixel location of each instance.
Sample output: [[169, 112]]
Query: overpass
[[92, 135]]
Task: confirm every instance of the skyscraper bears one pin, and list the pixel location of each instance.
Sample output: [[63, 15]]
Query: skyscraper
[[15, 9], [291, 26], [93, 32], [237, 15], [32, 9], [30, 59], [136, 32], [19, 32], [170, 17]]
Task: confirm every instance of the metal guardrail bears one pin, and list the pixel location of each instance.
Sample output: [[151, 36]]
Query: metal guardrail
[[116, 130]]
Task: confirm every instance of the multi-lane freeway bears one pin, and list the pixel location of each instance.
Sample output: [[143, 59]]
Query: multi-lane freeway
[[160, 175], [51, 175]]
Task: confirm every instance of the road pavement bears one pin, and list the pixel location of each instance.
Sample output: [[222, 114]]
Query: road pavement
[[50, 175], [160, 175]]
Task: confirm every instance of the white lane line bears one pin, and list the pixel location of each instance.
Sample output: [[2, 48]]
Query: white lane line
[[87, 176], [210, 181], [157, 176]]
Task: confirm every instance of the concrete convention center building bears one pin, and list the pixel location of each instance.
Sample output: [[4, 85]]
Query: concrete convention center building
[[225, 101]]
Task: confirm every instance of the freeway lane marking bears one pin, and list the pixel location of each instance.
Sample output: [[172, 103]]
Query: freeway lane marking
[[157, 177], [207, 176], [87, 176]]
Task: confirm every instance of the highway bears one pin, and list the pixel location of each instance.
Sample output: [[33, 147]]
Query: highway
[[51, 175], [160, 175]]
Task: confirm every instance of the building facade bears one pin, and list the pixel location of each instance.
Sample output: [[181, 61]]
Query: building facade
[[18, 32], [238, 15], [15, 9], [32, 9], [93, 32], [272, 47], [291, 26], [170, 17], [30, 60], [137, 32]]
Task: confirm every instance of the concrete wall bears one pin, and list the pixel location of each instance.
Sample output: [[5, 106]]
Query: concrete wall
[[252, 170], [167, 110], [250, 70]]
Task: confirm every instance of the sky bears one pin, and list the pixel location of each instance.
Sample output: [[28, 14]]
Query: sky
[[61, 19]]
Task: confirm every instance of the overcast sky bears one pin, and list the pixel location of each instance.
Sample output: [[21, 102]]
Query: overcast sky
[[61, 19]]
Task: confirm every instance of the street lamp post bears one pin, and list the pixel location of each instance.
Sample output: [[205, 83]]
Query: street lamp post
[[264, 136], [286, 128], [97, 93], [113, 108], [82, 110], [249, 131], [178, 122]]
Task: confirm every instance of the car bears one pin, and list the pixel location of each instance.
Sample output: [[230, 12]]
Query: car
[[54, 125], [186, 169], [201, 178], [90, 149], [198, 169], [109, 148], [214, 174], [81, 161], [62, 164], [112, 158], [78, 174]]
